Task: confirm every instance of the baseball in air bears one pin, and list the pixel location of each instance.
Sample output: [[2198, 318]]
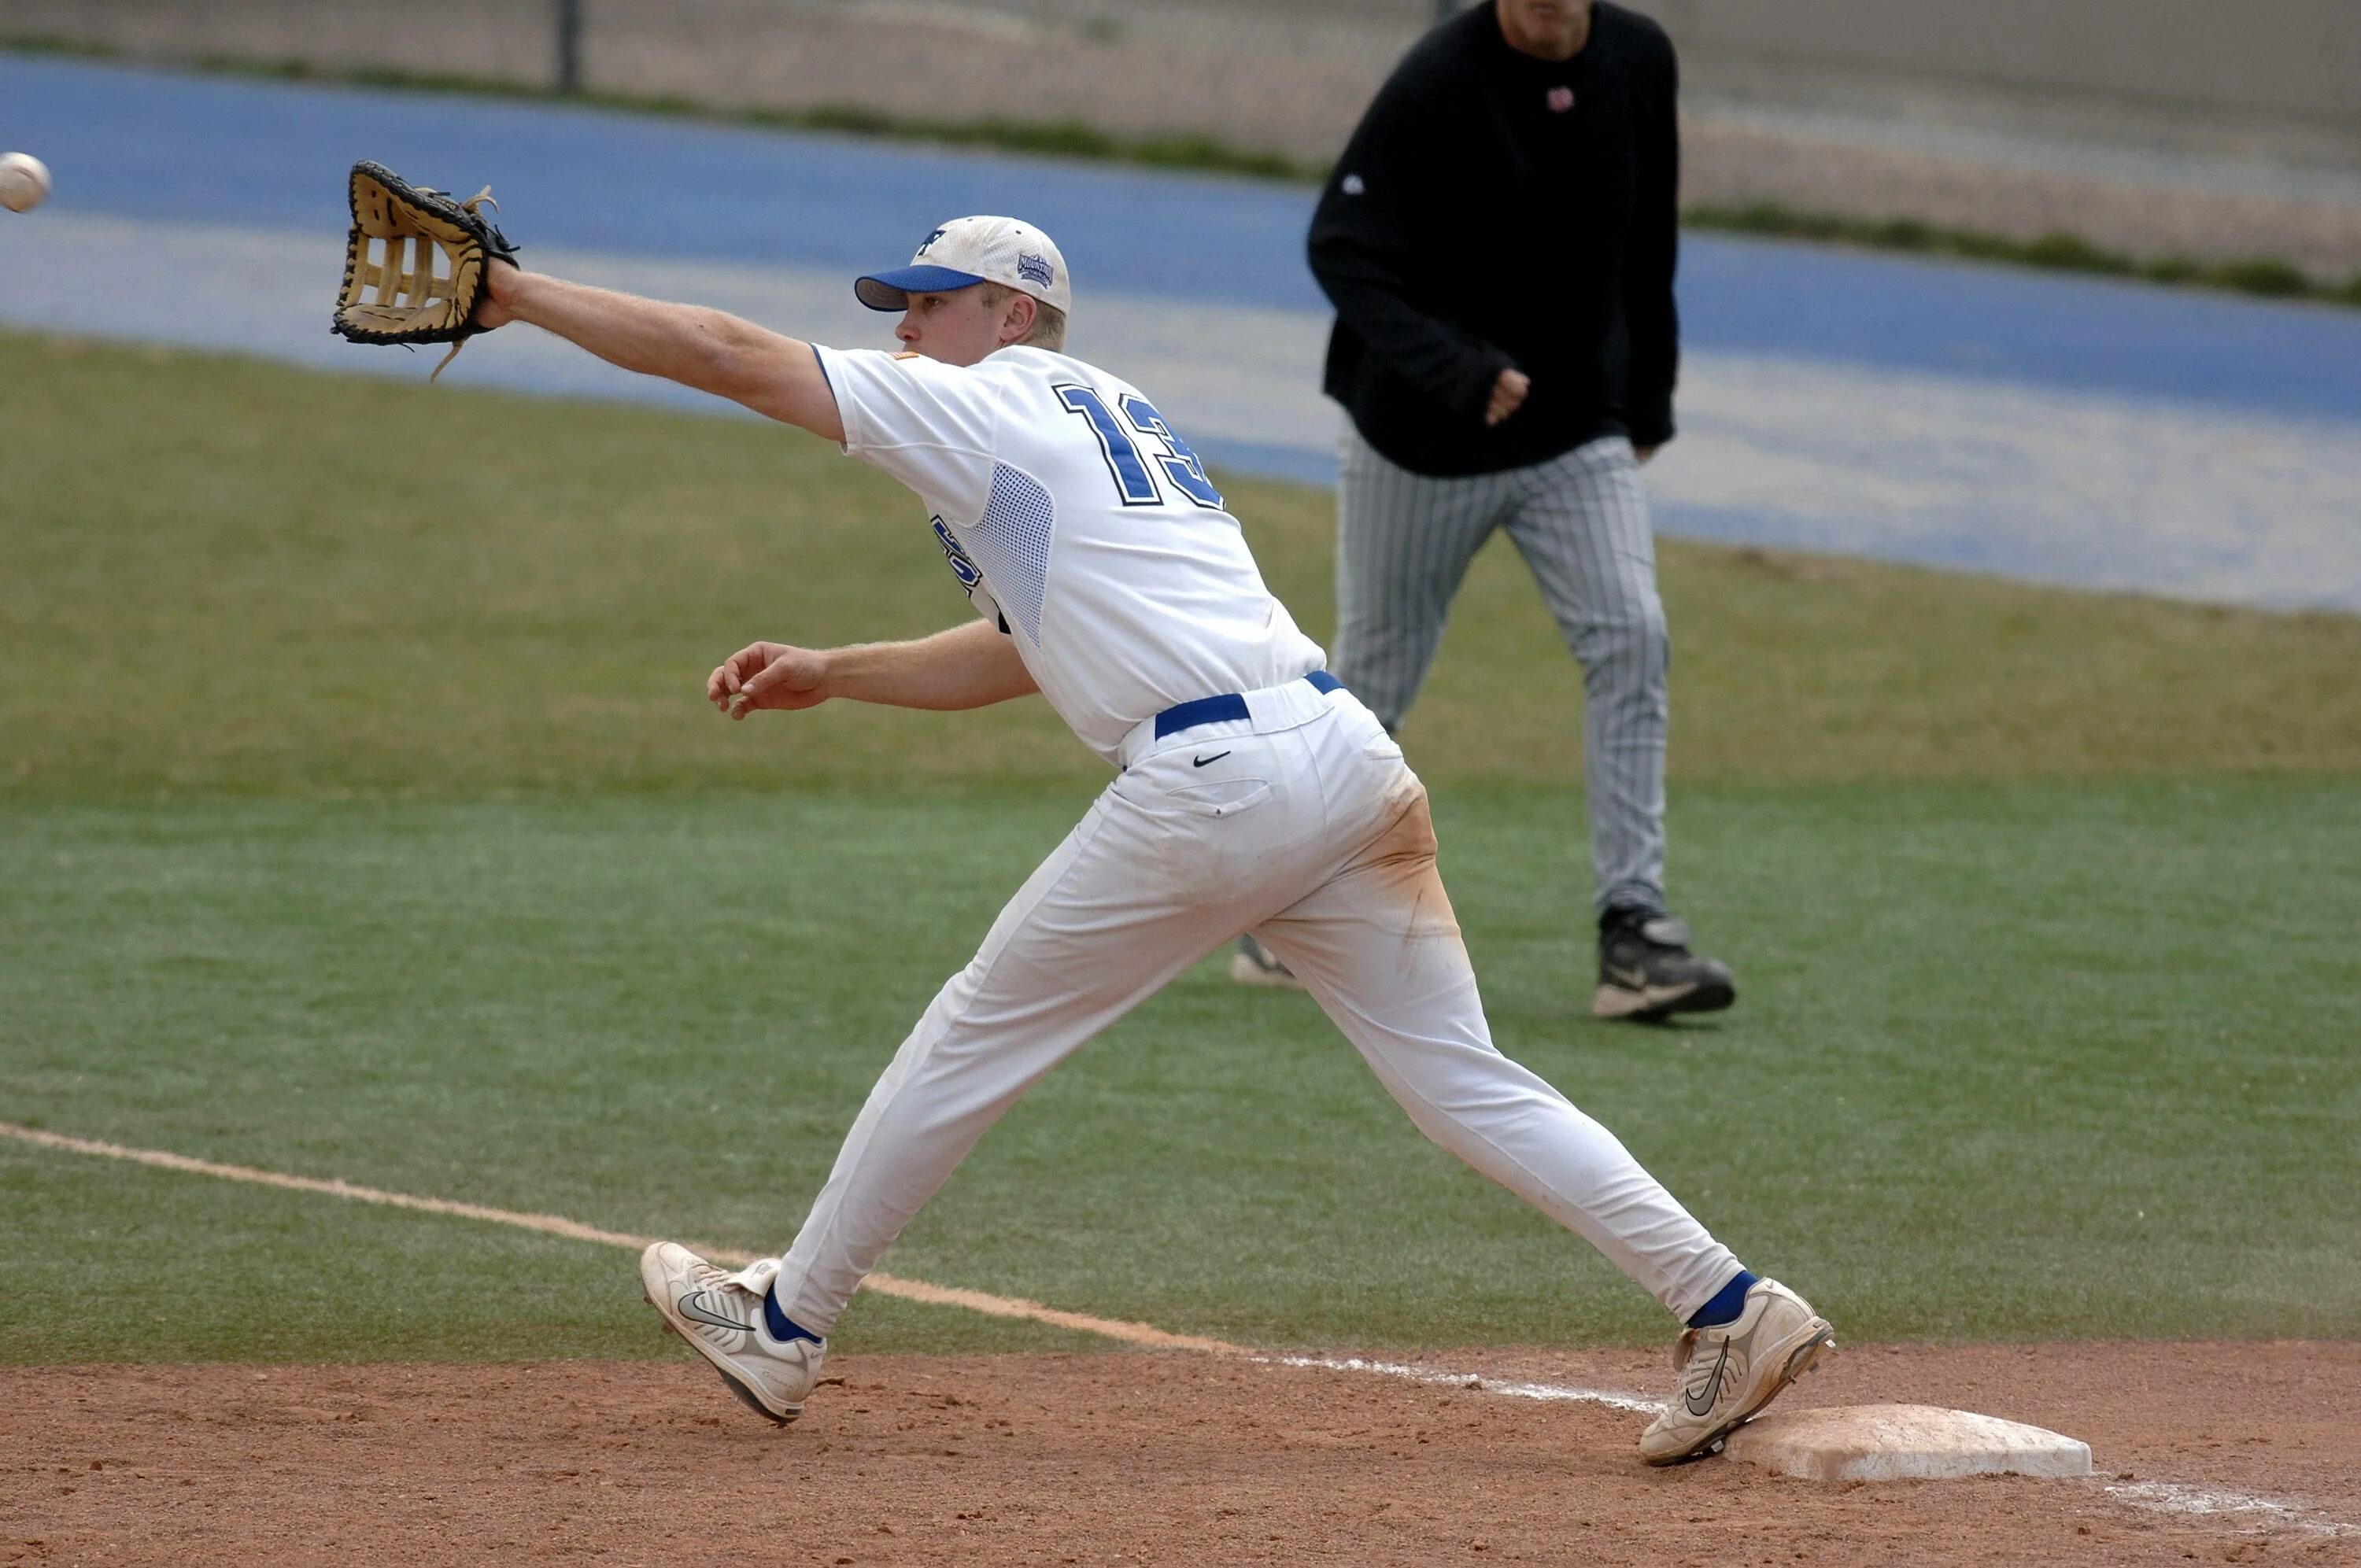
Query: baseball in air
[[24, 181]]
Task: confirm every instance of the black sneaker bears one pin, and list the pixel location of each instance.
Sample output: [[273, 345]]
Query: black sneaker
[[1254, 964], [1646, 971]]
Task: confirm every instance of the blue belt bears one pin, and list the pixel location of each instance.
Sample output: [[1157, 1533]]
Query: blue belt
[[1229, 705]]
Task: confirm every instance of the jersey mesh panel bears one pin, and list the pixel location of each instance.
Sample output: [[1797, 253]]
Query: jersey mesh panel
[[1010, 543]]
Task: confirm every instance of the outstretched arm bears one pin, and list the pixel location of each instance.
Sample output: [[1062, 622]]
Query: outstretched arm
[[710, 350], [973, 665]]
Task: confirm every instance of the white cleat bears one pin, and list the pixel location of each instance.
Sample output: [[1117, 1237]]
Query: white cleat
[[1728, 1374], [719, 1313]]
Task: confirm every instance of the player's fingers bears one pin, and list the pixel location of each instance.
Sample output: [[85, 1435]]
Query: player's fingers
[[782, 673], [791, 680], [733, 674]]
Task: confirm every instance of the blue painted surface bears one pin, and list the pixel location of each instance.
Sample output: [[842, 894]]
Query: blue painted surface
[[1267, 462], [152, 143], [159, 144], [2031, 328]]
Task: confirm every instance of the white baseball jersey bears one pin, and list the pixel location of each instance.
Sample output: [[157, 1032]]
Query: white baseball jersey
[[1081, 525]]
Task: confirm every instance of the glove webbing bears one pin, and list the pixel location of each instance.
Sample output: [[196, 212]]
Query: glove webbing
[[400, 284], [423, 279]]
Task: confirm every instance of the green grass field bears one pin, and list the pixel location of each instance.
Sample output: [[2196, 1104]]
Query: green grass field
[[350, 830]]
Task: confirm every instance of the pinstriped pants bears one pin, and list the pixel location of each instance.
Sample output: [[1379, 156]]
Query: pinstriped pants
[[1403, 544]]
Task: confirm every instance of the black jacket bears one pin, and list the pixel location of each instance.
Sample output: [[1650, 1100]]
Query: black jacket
[[1495, 210]]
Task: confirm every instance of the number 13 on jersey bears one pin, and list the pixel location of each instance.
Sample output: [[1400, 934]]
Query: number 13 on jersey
[[1133, 481]]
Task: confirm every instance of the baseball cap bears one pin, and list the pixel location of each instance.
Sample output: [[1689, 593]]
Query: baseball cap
[[973, 250]]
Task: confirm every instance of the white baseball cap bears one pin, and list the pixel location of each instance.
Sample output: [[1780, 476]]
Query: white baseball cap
[[967, 251]]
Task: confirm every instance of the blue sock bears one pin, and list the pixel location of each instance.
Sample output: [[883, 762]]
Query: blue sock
[[1726, 1305], [783, 1327]]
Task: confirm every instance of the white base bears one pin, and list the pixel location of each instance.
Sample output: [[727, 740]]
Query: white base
[[1904, 1442]]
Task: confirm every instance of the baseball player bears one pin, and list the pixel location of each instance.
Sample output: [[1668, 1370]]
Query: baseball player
[[1253, 791], [1498, 239]]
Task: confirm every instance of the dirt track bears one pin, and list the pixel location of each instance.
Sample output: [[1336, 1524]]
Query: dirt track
[[1144, 1458]]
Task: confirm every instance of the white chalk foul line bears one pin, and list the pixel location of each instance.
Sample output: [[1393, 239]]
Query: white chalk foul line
[[2160, 1496], [1509, 1387], [2237, 1507], [1144, 1335]]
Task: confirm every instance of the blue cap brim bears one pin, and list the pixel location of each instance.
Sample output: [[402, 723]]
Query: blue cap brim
[[892, 291]]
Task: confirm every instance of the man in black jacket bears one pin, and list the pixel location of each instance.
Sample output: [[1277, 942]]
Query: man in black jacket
[[1499, 242]]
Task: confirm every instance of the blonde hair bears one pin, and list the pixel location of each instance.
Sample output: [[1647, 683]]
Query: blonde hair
[[1049, 328]]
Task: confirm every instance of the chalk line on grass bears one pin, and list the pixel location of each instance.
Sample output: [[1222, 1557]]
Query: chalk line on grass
[[1146, 1334]]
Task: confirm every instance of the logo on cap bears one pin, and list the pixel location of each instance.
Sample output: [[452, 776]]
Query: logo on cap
[[928, 241], [1034, 268]]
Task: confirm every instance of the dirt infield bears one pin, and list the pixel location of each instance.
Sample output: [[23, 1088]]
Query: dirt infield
[[2241, 1453]]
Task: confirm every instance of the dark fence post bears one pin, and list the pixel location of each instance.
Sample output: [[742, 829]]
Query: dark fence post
[[569, 46]]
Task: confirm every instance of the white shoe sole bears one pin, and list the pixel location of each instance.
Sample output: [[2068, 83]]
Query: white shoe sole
[[1659, 1001]]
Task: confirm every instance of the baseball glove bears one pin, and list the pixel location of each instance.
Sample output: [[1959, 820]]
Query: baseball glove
[[399, 299]]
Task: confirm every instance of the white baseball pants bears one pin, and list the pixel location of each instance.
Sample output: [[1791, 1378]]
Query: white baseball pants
[[1303, 823]]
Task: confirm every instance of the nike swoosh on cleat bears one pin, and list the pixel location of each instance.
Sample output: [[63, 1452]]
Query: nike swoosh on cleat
[[1712, 1390], [688, 1307], [1631, 979], [1216, 757]]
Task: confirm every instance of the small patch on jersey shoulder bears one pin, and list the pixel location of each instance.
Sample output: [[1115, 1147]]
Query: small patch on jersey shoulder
[[911, 354]]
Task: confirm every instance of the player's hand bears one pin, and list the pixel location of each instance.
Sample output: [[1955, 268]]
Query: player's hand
[[768, 675], [1507, 395], [501, 282]]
